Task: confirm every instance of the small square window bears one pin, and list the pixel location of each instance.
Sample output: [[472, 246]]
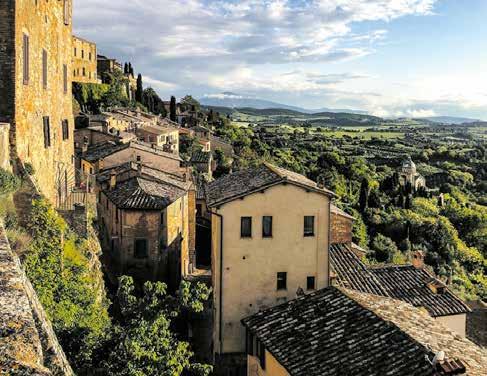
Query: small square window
[[310, 283], [267, 226], [309, 225], [281, 280], [246, 227]]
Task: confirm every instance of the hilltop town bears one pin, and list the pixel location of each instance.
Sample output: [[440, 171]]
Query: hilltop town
[[142, 235]]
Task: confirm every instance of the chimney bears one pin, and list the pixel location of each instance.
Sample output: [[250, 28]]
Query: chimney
[[113, 180], [418, 259]]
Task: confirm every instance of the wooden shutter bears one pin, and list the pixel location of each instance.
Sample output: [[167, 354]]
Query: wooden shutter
[[65, 129], [44, 69], [65, 78], [47, 131], [25, 58], [66, 12]]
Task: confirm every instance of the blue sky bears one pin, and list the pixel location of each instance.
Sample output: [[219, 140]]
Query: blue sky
[[389, 57]]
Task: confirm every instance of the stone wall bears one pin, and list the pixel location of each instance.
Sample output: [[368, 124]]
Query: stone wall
[[477, 323], [28, 345], [7, 64], [341, 229], [5, 146]]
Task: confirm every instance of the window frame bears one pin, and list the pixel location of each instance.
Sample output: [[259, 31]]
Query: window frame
[[245, 235], [65, 78], [308, 279], [146, 242], [26, 58], [44, 69], [65, 129], [46, 130], [306, 232], [264, 233], [281, 281]]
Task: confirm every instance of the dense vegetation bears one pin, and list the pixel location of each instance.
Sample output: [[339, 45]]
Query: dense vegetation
[[448, 221]]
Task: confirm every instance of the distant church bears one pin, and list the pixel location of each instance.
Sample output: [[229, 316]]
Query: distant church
[[408, 174]]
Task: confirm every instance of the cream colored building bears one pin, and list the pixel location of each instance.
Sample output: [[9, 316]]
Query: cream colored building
[[270, 238], [84, 61], [167, 138]]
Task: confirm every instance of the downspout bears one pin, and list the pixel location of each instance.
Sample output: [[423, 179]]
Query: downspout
[[220, 292]]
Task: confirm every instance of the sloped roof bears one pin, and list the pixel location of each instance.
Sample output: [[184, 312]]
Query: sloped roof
[[103, 150], [404, 282], [141, 193], [248, 181], [336, 210], [201, 157], [328, 333]]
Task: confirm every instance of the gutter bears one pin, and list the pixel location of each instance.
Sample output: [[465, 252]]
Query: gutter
[[220, 292]]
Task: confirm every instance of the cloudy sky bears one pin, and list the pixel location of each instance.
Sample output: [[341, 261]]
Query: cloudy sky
[[389, 57]]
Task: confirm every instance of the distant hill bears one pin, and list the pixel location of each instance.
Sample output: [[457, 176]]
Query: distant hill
[[233, 100], [450, 120]]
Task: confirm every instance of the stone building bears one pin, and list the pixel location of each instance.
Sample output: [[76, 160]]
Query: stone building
[[35, 86], [147, 220], [106, 66], [270, 238], [166, 138], [84, 61], [341, 332], [409, 175]]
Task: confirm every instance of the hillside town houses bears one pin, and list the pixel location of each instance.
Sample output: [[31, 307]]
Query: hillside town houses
[[291, 294]]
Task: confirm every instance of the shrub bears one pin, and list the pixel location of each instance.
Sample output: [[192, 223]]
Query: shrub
[[8, 182]]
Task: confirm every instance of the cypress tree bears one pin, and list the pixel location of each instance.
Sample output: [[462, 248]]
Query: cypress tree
[[125, 68], [364, 194], [130, 69], [172, 109], [140, 89]]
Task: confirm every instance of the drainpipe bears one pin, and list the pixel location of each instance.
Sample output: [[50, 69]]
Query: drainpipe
[[220, 292]]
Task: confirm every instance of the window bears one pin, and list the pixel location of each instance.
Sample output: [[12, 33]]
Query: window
[[281, 280], [66, 12], [310, 283], [47, 131], [309, 225], [75, 51], [267, 227], [65, 129], [84, 71], [44, 69], [65, 79], [140, 248], [82, 54], [89, 56], [246, 227], [25, 59]]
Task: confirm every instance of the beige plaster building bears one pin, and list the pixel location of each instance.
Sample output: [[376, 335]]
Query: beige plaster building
[[35, 89], [147, 220], [166, 138], [84, 61], [270, 238]]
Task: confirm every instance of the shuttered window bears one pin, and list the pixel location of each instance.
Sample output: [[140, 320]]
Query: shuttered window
[[47, 131], [65, 78], [66, 12], [246, 227], [309, 225], [25, 59], [44, 69], [65, 129], [267, 227], [281, 280]]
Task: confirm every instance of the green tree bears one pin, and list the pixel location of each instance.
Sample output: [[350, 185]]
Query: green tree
[[140, 89], [384, 248], [145, 343], [172, 109], [364, 195]]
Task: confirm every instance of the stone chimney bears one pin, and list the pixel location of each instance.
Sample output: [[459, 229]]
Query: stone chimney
[[113, 180], [418, 259]]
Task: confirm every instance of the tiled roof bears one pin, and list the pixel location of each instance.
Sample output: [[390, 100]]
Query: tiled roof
[[156, 130], [328, 333], [153, 149], [336, 210], [245, 182], [201, 157], [141, 193], [103, 150], [404, 282], [351, 272]]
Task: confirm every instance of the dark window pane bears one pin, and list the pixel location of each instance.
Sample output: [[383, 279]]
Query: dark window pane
[[47, 131], [25, 56], [44, 69], [310, 283], [281, 280], [309, 225], [267, 226], [141, 248], [65, 129], [65, 78], [246, 227]]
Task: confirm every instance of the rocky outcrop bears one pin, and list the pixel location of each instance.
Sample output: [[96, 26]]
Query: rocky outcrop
[[28, 345]]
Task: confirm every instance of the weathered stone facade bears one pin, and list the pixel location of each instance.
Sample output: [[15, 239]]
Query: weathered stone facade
[[341, 227], [5, 146], [35, 82], [84, 61], [28, 345]]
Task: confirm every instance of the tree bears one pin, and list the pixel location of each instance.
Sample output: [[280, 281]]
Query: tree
[[364, 195], [384, 248], [172, 109], [140, 89], [190, 103], [130, 69], [145, 343], [125, 68], [153, 102]]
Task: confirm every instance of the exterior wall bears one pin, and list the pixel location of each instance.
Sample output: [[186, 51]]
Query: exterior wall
[[155, 160], [341, 229], [5, 146], [192, 228], [250, 265], [457, 323], [168, 241], [84, 61], [47, 31], [7, 60], [272, 366], [94, 137]]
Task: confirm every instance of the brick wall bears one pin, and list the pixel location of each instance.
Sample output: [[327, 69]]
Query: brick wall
[[341, 229]]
